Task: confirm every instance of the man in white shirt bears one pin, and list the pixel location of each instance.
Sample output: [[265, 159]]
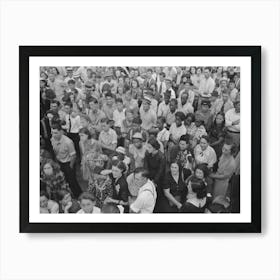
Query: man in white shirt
[[147, 115], [168, 83], [161, 86], [164, 105], [207, 85], [183, 104], [232, 122], [146, 198], [87, 202]]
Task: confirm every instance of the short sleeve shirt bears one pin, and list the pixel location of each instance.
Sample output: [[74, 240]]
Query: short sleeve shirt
[[63, 149]]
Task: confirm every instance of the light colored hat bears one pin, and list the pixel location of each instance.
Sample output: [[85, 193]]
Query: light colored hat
[[107, 74], [69, 68], [147, 98], [120, 150], [137, 135]]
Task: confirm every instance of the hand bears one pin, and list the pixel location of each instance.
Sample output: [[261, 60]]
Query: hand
[[68, 205], [117, 188], [105, 172], [179, 205]]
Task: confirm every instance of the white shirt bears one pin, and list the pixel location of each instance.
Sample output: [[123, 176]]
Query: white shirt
[[186, 108], [162, 109], [75, 124], [231, 116], [118, 117], [207, 156], [177, 132], [163, 135], [163, 87], [146, 199], [95, 210], [206, 87]]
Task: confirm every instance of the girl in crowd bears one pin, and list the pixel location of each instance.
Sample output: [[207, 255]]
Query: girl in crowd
[[136, 91], [197, 203], [53, 177], [174, 188]]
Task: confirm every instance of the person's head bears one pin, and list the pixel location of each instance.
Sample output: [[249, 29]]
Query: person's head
[[149, 73], [174, 168], [223, 83], [146, 105], [168, 83], [109, 99], [231, 85], [198, 70], [189, 119], [201, 171], [179, 118], [49, 167], [153, 146], [54, 106], [68, 108], [229, 148], [184, 142], [192, 70], [87, 202], [214, 96], [225, 96], [137, 140], [184, 97], [44, 198], [220, 119], [129, 115], [43, 75], [108, 77], [237, 106], [93, 104], [52, 115], [51, 77], [88, 87], [64, 197], [184, 79], [204, 142], [84, 134], [173, 105], [198, 121], [134, 83], [198, 187], [225, 74], [160, 123], [162, 76], [84, 120], [118, 170], [207, 72], [71, 84], [128, 95], [141, 176], [167, 96], [110, 208], [56, 131], [205, 105], [105, 124], [119, 103]]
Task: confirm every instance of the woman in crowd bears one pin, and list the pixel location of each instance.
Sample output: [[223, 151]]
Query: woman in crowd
[[67, 204], [54, 178], [174, 188]]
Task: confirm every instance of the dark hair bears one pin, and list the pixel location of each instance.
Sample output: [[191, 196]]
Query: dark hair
[[206, 137], [61, 194], [223, 115], [44, 193], [110, 208], [198, 187], [86, 195], [121, 166], [135, 80], [185, 138], [161, 119], [203, 167], [92, 99], [150, 70], [119, 100], [162, 74], [109, 94], [84, 130], [57, 126], [208, 68], [68, 104], [105, 120], [180, 115], [173, 100], [190, 115], [144, 172], [71, 81], [154, 143], [56, 102]]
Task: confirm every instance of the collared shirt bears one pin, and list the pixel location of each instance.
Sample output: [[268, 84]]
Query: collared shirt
[[231, 116], [96, 118], [118, 117], [177, 132], [207, 156], [163, 109], [206, 87], [73, 125], [170, 117], [146, 199], [148, 118], [108, 138], [63, 149]]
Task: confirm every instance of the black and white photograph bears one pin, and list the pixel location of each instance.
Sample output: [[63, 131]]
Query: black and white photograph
[[139, 130], [148, 139]]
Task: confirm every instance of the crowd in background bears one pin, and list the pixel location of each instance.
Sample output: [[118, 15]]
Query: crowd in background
[[140, 139]]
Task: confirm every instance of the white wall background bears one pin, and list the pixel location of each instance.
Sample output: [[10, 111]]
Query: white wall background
[[138, 256]]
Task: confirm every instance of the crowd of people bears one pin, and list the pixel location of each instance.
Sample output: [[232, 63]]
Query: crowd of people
[[140, 139]]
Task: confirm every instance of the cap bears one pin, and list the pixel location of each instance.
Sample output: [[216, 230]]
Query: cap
[[223, 79], [120, 150], [69, 68], [88, 84], [137, 135], [148, 99]]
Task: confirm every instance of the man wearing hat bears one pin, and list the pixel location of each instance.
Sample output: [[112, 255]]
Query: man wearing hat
[[150, 95], [137, 149], [69, 74], [207, 85], [147, 114], [108, 79], [205, 114]]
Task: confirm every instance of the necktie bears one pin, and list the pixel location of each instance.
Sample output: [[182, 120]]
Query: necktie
[[160, 87], [69, 124], [223, 108]]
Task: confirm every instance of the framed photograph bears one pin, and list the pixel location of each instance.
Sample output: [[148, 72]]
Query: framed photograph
[[172, 132]]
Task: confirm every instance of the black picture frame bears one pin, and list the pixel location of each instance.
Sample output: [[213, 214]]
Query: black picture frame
[[25, 52]]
